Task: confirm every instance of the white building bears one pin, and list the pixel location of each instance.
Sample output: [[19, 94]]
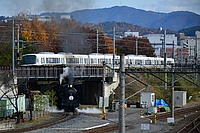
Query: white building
[[129, 33], [157, 41], [192, 43], [44, 18], [65, 17]]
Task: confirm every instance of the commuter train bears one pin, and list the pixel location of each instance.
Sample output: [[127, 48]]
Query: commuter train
[[68, 98], [49, 58]]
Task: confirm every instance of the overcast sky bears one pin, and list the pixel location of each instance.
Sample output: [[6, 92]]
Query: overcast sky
[[12, 7]]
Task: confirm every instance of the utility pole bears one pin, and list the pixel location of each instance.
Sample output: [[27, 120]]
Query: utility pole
[[103, 84], [97, 42], [18, 54], [113, 50], [165, 61], [173, 51], [122, 96], [172, 93], [136, 47], [13, 46]]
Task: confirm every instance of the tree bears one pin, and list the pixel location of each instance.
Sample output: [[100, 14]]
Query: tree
[[34, 31], [109, 42], [5, 54], [9, 90], [52, 97], [40, 102]]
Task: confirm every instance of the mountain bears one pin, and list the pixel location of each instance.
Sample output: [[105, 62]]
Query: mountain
[[190, 31], [173, 21]]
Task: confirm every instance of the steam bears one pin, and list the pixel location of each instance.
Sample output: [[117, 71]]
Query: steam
[[39, 6], [55, 109], [64, 74], [90, 110], [66, 5]]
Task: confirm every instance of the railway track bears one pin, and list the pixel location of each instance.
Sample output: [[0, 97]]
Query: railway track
[[57, 120], [159, 116], [113, 127], [193, 125], [177, 112], [105, 129]]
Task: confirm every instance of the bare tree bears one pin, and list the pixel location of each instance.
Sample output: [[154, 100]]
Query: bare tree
[[9, 90]]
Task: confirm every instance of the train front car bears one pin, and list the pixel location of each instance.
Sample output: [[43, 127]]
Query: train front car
[[68, 98]]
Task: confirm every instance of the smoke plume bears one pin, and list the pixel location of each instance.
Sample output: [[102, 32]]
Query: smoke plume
[[67, 73], [39, 6], [66, 5], [64, 74]]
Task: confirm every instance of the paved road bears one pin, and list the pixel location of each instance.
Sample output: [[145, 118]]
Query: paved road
[[133, 122]]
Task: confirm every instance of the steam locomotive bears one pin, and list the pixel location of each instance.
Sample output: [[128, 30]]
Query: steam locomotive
[[68, 98]]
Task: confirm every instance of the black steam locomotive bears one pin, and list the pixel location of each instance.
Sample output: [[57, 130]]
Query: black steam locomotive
[[68, 98]]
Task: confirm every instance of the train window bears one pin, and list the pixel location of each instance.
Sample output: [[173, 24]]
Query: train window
[[162, 62], [52, 60], [81, 61], [147, 62], [69, 60], [85, 60], [62, 60], [93, 60], [126, 61], [138, 62], [107, 61], [76, 60], [47, 60], [101, 61], [155, 62], [42, 60], [29, 59]]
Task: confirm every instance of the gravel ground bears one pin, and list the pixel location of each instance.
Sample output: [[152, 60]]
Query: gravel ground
[[75, 125], [85, 121]]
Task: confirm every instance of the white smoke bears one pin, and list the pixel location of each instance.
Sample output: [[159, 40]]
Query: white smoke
[[64, 74], [65, 5], [90, 110], [55, 109]]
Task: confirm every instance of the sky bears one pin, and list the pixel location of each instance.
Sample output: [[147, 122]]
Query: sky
[[13, 7]]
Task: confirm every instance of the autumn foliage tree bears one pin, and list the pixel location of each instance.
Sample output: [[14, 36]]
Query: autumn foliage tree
[[39, 34], [109, 46]]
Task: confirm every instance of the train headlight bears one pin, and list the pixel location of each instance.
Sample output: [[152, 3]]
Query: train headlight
[[71, 98]]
